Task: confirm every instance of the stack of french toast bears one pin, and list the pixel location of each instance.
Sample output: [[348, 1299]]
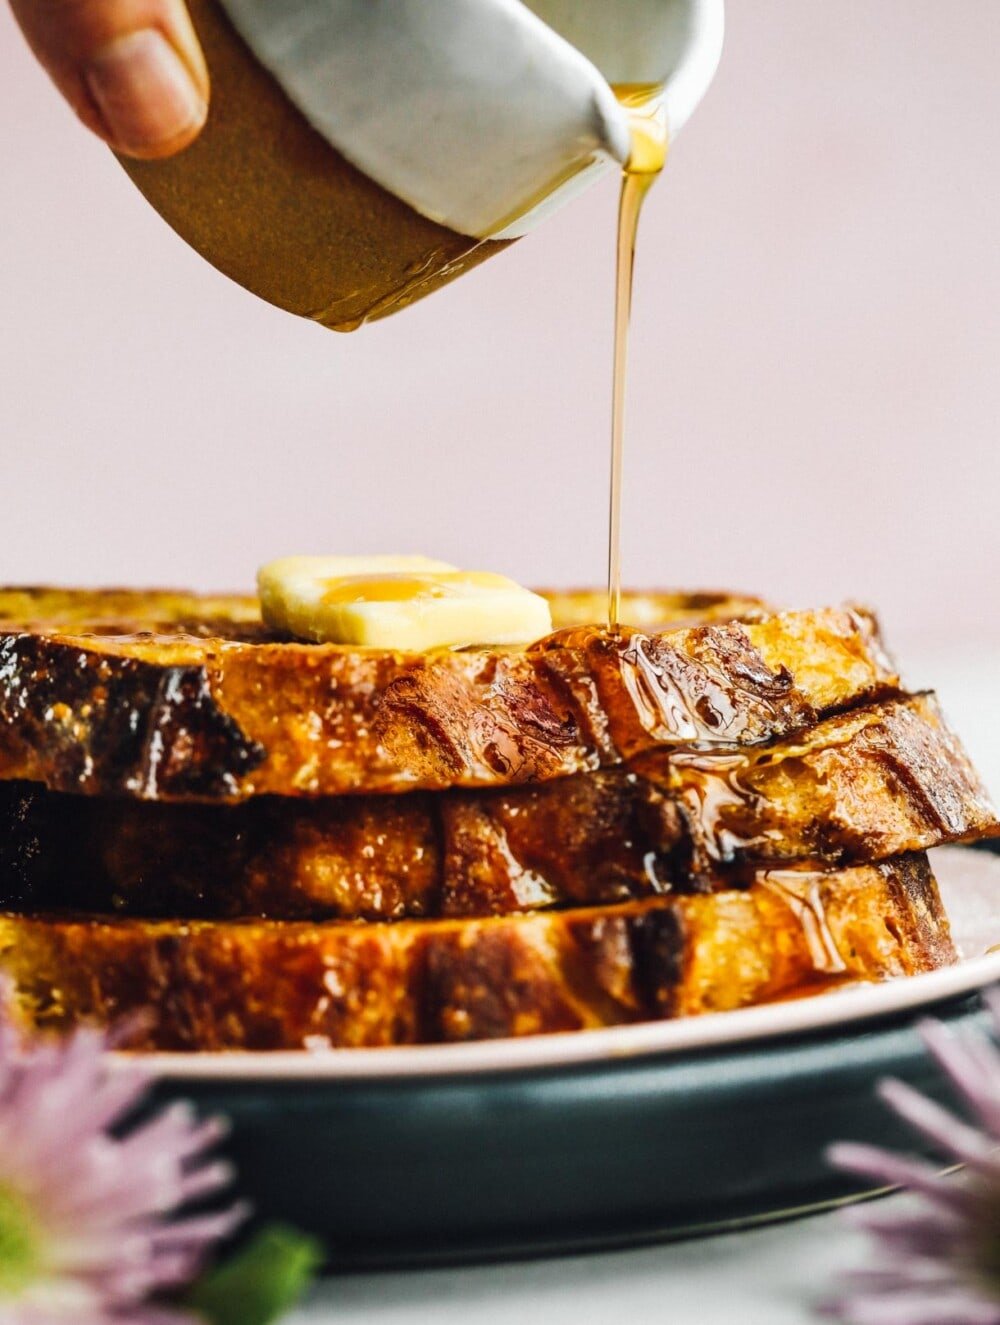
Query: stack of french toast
[[260, 843]]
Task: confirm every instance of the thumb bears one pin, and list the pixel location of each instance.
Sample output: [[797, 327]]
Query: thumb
[[131, 69]]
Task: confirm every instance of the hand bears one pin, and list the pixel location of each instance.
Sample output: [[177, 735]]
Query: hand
[[131, 69]]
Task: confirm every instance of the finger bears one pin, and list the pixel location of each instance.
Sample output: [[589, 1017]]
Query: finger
[[131, 69]]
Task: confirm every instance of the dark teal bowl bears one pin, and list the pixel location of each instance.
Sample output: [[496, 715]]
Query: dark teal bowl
[[486, 1165]]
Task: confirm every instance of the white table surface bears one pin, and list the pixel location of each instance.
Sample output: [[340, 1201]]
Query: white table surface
[[767, 1276]]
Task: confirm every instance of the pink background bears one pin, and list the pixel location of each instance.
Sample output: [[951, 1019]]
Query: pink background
[[815, 393]]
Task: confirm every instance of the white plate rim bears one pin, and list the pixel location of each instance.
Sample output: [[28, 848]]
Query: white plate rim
[[851, 1006]]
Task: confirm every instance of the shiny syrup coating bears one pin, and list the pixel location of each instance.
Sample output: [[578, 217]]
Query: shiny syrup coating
[[863, 785]]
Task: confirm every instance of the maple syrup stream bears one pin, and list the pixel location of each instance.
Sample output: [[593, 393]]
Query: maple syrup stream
[[643, 104]]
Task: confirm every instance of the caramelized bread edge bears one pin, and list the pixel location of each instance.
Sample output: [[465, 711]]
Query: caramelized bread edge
[[206, 986]]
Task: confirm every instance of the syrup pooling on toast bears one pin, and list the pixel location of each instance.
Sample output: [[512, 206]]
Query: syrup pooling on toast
[[643, 105]]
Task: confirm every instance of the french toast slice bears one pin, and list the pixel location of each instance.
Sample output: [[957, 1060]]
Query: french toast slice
[[287, 985], [125, 611], [98, 698], [863, 786]]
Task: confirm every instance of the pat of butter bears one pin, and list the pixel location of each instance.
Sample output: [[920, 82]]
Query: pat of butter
[[398, 603]]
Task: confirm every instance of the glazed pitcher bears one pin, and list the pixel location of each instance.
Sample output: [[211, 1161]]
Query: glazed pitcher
[[361, 153]]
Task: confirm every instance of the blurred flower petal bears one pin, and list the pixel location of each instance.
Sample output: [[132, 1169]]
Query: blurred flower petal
[[938, 1258], [97, 1218]]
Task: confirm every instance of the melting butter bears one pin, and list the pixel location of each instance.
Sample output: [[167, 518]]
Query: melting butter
[[406, 603]]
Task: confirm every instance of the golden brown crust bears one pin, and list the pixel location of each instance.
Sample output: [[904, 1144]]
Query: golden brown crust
[[212, 709], [274, 985], [864, 786]]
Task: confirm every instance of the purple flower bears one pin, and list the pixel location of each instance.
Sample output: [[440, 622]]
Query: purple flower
[[86, 1233], [938, 1258]]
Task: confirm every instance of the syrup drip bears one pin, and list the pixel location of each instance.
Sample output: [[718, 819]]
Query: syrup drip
[[802, 892], [647, 122], [664, 707]]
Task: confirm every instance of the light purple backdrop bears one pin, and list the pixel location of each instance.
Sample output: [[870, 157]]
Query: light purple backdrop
[[815, 387]]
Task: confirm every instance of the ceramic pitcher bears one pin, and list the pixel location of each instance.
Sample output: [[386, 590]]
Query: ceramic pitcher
[[361, 153]]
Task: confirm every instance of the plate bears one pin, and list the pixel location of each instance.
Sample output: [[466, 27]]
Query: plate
[[597, 1138]]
